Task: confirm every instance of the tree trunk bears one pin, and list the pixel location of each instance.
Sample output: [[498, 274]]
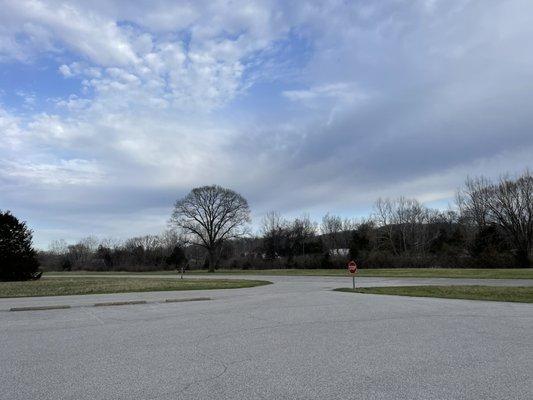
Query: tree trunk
[[212, 260], [523, 259]]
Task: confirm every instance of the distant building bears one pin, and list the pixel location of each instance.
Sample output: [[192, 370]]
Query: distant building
[[339, 252]]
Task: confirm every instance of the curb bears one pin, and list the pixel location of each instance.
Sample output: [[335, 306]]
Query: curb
[[184, 300], [119, 303], [40, 308], [107, 304]]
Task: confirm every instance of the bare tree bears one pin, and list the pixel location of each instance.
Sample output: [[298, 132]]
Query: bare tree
[[472, 201], [411, 217], [403, 224], [211, 215], [273, 229], [110, 242], [58, 247], [351, 224], [300, 231], [507, 204], [331, 228], [171, 238], [79, 254], [336, 231], [272, 221], [383, 215]]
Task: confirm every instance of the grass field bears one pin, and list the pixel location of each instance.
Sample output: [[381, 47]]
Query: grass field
[[493, 293], [502, 273], [69, 286]]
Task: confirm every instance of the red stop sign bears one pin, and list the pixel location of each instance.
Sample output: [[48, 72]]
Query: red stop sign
[[352, 267]]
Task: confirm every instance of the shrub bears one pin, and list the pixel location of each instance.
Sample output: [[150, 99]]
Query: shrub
[[66, 265], [177, 258]]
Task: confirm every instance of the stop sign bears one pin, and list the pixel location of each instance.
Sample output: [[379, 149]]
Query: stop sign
[[352, 267]]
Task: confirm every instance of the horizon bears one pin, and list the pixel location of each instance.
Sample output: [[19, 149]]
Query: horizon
[[110, 113]]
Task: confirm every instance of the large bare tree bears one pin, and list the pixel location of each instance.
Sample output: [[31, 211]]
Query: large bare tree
[[507, 204], [211, 215]]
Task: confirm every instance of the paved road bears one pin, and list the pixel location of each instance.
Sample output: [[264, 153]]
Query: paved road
[[283, 283], [295, 339]]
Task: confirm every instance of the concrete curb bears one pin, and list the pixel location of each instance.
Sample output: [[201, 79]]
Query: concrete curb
[[107, 304], [119, 303], [184, 300], [40, 308]]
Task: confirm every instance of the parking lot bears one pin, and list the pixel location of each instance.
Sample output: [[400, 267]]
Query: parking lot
[[295, 339]]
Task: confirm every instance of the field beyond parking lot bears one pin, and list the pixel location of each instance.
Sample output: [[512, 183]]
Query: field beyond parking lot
[[474, 273]]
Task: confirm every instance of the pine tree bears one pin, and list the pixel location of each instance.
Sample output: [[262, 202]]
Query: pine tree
[[18, 259]]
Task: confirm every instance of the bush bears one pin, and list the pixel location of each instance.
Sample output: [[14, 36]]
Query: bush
[[177, 258], [66, 265], [18, 260]]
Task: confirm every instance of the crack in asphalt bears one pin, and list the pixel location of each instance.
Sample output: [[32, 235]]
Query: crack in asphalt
[[225, 367]]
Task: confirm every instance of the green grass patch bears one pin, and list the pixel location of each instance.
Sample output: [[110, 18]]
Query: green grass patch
[[520, 294], [62, 286], [500, 273]]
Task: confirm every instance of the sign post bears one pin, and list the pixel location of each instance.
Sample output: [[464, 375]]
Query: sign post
[[352, 267]]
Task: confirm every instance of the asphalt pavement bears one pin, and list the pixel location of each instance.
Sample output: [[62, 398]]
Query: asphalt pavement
[[295, 339]]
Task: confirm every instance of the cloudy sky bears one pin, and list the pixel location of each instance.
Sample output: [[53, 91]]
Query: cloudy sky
[[110, 110]]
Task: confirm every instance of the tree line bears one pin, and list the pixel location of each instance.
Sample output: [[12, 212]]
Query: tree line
[[491, 225]]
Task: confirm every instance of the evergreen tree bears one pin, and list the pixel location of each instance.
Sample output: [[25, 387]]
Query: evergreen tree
[[18, 259]]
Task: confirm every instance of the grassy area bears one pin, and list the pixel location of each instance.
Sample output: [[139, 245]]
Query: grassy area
[[501, 273], [68, 286], [522, 294]]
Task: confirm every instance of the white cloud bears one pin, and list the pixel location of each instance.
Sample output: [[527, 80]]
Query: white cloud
[[10, 132], [65, 70], [28, 98], [26, 160], [73, 103], [204, 69], [344, 92], [63, 172], [95, 37]]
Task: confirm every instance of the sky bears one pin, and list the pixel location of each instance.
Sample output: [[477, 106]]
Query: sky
[[112, 110]]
